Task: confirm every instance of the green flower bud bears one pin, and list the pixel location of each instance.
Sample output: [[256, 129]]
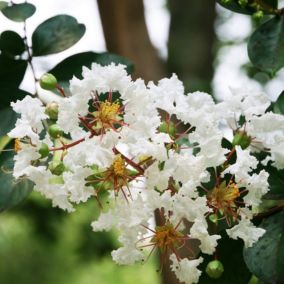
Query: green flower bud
[[257, 16], [253, 280], [52, 110], [54, 131], [56, 167], [48, 81], [168, 127], [241, 139], [43, 150], [215, 269], [226, 1]]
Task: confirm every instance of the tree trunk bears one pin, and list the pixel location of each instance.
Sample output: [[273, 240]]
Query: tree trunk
[[191, 42], [126, 34]]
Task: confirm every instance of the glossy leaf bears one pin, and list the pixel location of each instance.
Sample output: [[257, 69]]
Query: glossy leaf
[[266, 45], [11, 72], [11, 43], [56, 34], [19, 12], [268, 6], [276, 183], [266, 258], [8, 95], [72, 66], [278, 106], [7, 120], [12, 192]]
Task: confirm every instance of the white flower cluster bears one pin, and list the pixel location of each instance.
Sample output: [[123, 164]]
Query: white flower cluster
[[154, 151]]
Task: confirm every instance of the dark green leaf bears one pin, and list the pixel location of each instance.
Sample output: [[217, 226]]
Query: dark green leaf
[[7, 121], [19, 12], [56, 34], [12, 192], [276, 183], [268, 6], [266, 45], [3, 5], [266, 258], [11, 43], [8, 95], [72, 66], [230, 254], [11, 72], [278, 106]]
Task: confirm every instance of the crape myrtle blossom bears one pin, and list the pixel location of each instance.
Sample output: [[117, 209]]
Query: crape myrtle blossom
[[157, 154]]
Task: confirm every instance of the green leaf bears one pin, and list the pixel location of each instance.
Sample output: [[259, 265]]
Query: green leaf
[[72, 66], [276, 183], [12, 192], [56, 34], [266, 258], [278, 106], [11, 43], [11, 72], [7, 95], [268, 6], [266, 45], [7, 121], [19, 12], [230, 254]]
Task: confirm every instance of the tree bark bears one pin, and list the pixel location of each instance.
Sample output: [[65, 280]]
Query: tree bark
[[191, 42], [126, 34]]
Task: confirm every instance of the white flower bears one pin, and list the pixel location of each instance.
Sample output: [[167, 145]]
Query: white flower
[[186, 270], [247, 231], [199, 230]]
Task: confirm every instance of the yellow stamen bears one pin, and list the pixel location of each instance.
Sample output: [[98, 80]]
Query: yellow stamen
[[17, 146], [119, 166], [109, 111]]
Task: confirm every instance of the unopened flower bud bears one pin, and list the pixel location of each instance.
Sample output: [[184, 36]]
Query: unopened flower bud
[[257, 16], [215, 269], [52, 110], [168, 127], [55, 131], [56, 167], [253, 280], [241, 139], [43, 150], [48, 81]]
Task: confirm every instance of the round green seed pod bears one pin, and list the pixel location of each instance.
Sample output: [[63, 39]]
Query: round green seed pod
[[43, 150], [48, 81], [52, 110], [55, 131], [241, 139], [214, 269]]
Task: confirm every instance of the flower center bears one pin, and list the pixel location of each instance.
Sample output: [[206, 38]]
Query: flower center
[[17, 146], [108, 111], [118, 165], [223, 197], [166, 237]]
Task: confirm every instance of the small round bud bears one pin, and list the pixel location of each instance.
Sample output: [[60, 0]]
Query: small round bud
[[213, 218], [257, 16], [215, 269], [43, 150], [168, 127], [242, 139], [56, 167], [54, 131], [253, 280], [243, 3], [52, 110], [48, 81]]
